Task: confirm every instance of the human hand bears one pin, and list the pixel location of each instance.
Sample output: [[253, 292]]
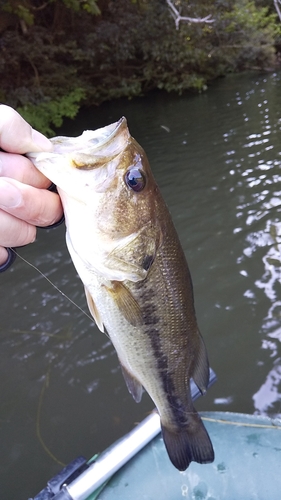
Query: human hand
[[25, 201]]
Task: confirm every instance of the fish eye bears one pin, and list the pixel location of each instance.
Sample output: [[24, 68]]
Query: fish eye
[[135, 179]]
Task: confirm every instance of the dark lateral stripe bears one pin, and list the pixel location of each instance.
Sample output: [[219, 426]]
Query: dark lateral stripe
[[175, 404], [151, 321]]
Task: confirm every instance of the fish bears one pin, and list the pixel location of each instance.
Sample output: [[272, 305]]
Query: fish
[[138, 287]]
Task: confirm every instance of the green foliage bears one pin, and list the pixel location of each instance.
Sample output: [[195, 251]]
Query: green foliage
[[52, 112], [23, 12], [26, 10], [59, 54], [249, 34], [89, 6]]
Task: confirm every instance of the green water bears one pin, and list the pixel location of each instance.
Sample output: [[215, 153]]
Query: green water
[[216, 157]]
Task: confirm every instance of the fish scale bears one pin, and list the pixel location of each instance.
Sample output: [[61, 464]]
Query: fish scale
[[127, 253]]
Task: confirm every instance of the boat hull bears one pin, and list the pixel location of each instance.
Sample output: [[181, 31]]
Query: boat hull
[[247, 465]]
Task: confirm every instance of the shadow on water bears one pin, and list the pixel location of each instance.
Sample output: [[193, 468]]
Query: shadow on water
[[217, 160]]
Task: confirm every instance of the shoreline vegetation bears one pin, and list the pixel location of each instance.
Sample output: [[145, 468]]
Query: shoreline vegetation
[[59, 55]]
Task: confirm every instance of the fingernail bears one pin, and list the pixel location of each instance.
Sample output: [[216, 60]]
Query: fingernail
[[41, 141], [10, 196]]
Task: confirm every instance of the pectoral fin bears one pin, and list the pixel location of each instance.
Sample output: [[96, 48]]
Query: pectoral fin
[[93, 310], [134, 386], [125, 302]]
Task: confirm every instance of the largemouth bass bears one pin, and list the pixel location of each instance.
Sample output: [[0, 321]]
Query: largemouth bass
[[138, 287]]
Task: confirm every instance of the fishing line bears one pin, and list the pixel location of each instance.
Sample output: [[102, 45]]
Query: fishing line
[[51, 283], [241, 424], [38, 419]]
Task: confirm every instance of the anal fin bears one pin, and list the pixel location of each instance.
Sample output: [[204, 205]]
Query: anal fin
[[134, 386]]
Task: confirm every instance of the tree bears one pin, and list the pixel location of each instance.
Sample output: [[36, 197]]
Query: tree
[[57, 55], [277, 5], [178, 18]]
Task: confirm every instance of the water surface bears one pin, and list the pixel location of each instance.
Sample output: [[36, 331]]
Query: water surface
[[216, 157]]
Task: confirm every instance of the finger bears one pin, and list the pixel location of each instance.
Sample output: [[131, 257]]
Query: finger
[[22, 169], [17, 136], [15, 232], [3, 255], [35, 206]]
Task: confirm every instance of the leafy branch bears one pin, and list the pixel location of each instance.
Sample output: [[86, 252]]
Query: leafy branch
[[58, 55]]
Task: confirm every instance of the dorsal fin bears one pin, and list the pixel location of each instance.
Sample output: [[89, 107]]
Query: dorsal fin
[[201, 372]]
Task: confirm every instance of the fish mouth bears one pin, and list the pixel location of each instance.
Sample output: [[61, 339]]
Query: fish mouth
[[94, 150], [103, 142]]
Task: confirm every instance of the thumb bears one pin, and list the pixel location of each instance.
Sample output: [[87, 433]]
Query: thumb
[[17, 136]]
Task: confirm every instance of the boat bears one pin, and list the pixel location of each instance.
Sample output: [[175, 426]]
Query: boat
[[246, 466]]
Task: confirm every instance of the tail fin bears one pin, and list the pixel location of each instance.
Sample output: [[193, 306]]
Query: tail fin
[[190, 443]]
